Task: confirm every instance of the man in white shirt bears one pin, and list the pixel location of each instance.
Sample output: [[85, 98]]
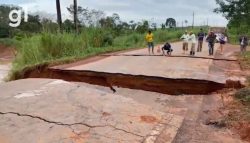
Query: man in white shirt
[[185, 38], [192, 40]]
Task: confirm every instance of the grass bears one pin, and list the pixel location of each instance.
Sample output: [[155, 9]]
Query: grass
[[8, 42], [51, 49], [244, 60]]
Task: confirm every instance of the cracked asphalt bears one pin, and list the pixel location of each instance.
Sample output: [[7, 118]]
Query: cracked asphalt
[[55, 111]]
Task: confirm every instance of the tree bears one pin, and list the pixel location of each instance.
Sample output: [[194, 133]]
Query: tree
[[132, 25], [237, 12], [75, 16], [59, 15], [143, 26], [48, 25], [5, 29], [107, 22], [186, 22], [163, 26], [68, 25], [87, 17], [171, 23], [154, 26], [33, 25]]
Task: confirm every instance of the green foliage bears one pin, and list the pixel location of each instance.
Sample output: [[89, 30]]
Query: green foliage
[[8, 42], [171, 23], [237, 12], [164, 35], [243, 95], [143, 27]]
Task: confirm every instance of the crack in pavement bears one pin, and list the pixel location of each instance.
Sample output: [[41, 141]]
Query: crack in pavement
[[69, 125]]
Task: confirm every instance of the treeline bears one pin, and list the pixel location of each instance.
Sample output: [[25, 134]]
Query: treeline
[[86, 18], [238, 14]]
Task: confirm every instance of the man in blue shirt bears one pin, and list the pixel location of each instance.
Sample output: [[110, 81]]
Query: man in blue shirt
[[201, 36]]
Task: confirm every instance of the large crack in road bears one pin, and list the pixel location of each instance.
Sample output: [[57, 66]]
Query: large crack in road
[[70, 125], [163, 85]]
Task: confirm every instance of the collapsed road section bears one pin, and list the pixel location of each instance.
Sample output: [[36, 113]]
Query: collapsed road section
[[174, 75]]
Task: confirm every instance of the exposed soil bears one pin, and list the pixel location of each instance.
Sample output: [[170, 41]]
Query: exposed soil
[[235, 115], [7, 54], [147, 83]]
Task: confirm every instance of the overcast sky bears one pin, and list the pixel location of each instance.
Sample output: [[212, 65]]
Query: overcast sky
[[153, 10]]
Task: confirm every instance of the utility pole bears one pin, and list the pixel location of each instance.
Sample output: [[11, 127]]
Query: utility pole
[[75, 16], [59, 15], [193, 21]]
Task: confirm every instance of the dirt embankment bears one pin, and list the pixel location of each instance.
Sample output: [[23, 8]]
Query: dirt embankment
[[7, 54]]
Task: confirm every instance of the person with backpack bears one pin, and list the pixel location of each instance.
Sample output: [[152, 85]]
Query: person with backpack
[[150, 40], [243, 44], [192, 40], [201, 36], [211, 41], [185, 38]]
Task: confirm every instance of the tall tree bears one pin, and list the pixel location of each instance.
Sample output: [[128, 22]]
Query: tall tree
[[59, 15], [171, 23], [75, 16]]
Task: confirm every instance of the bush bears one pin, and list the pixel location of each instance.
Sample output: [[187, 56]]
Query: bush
[[243, 95], [8, 42]]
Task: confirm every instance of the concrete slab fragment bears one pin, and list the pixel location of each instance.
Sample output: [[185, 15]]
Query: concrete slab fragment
[[67, 112], [157, 66]]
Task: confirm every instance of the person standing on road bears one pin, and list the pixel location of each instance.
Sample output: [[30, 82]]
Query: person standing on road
[[192, 40], [222, 40], [150, 41], [211, 41], [185, 38], [201, 36], [243, 44]]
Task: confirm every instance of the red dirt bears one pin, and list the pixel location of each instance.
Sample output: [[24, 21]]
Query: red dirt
[[243, 129], [234, 114], [7, 54], [148, 119]]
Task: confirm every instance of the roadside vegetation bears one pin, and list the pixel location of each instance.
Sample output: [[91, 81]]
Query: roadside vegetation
[[237, 13]]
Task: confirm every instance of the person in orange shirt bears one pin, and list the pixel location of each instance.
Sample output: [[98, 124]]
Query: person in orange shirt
[[150, 41]]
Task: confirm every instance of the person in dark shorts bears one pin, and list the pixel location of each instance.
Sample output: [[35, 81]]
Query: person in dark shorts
[[222, 40], [167, 47]]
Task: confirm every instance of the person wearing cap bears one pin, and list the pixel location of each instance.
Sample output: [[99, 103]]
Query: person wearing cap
[[211, 41], [185, 38], [150, 40], [201, 36], [192, 40]]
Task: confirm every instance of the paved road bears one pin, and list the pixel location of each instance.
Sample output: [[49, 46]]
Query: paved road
[[55, 111], [157, 66]]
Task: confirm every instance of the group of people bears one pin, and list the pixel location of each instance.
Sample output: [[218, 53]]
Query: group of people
[[210, 38], [190, 38]]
